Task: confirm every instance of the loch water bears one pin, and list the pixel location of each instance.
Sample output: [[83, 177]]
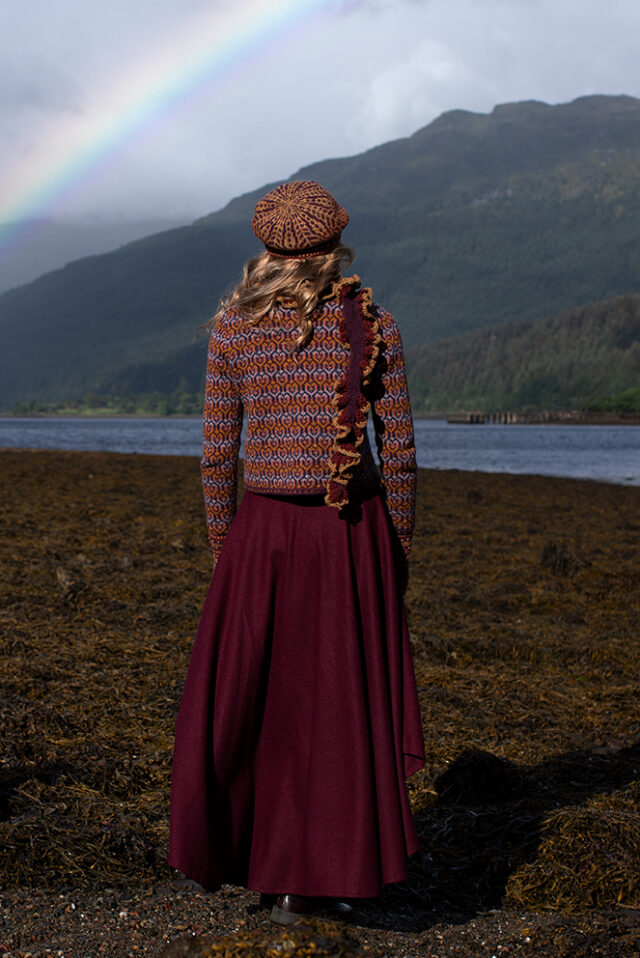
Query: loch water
[[606, 453]]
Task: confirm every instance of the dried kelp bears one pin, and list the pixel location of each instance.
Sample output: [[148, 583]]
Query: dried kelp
[[308, 939], [523, 603], [589, 857]]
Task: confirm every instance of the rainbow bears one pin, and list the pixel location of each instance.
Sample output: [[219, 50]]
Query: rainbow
[[206, 50]]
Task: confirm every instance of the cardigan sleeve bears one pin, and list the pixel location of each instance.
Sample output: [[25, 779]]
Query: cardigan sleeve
[[221, 429], [394, 434]]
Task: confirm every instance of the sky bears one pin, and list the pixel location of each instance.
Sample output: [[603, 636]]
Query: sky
[[170, 108]]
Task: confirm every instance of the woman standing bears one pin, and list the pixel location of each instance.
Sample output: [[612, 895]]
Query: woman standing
[[299, 720]]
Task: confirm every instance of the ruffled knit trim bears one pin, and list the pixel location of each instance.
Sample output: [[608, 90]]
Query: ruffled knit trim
[[350, 423], [342, 284]]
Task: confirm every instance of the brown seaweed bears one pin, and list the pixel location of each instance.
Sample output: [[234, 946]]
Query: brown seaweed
[[308, 939], [524, 611]]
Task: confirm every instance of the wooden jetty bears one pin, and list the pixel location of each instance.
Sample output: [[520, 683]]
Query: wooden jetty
[[484, 417]]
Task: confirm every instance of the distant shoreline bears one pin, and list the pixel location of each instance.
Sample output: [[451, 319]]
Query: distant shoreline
[[545, 418], [569, 419], [101, 417]]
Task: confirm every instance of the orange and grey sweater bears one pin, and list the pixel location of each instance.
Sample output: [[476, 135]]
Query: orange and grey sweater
[[306, 429]]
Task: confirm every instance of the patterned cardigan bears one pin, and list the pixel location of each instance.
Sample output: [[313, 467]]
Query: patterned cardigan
[[292, 401]]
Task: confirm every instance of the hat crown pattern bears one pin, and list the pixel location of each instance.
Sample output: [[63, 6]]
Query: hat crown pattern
[[298, 217]]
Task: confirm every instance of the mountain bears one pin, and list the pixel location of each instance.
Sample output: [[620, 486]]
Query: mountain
[[474, 221], [40, 246], [571, 361]]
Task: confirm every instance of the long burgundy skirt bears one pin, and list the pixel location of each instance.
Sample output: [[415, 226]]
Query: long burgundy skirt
[[299, 720]]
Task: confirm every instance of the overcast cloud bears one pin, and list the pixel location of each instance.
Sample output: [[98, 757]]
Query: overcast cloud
[[357, 75]]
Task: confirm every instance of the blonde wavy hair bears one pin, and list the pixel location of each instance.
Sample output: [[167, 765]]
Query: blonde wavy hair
[[302, 283]]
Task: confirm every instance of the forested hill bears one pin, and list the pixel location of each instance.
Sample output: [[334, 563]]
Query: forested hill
[[584, 358], [48, 244], [474, 220]]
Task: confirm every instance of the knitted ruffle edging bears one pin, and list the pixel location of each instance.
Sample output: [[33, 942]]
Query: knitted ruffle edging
[[350, 424]]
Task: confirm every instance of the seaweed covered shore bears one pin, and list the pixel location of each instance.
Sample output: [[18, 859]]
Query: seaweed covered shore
[[524, 610]]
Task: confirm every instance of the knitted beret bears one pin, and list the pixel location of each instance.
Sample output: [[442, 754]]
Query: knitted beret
[[299, 220]]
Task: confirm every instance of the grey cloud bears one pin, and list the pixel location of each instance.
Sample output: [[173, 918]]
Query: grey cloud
[[37, 85], [369, 70]]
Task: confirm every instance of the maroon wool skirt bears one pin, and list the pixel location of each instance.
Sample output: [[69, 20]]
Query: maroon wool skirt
[[299, 720]]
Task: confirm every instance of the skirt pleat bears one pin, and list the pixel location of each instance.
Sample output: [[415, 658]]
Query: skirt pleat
[[299, 720]]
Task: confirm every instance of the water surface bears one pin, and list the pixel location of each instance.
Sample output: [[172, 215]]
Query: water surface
[[610, 453]]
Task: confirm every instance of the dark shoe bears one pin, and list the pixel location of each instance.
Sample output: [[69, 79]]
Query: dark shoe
[[338, 909], [291, 908]]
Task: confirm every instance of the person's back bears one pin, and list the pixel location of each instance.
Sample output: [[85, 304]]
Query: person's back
[[296, 400], [299, 719]]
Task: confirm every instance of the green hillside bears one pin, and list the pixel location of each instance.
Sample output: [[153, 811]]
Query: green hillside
[[48, 244], [585, 358], [473, 221]]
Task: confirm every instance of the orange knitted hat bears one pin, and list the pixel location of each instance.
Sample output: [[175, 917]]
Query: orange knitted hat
[[298, 220]]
